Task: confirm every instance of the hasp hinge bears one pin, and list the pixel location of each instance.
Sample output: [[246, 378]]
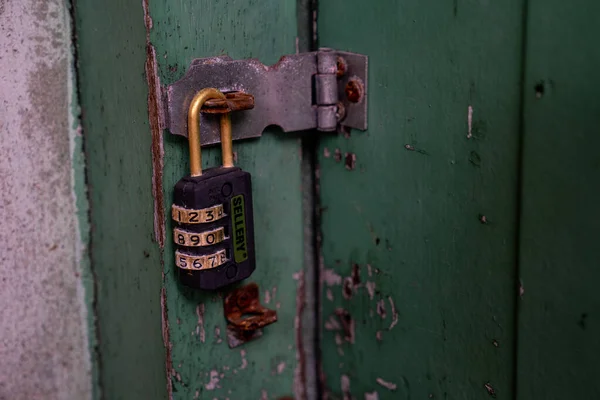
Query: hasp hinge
[[324, 90]]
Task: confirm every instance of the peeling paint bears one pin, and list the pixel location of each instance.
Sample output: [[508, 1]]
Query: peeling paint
[[394, 313], [345, 386], [469, 122], [381, 309], [280, 368], [200, 326], [337, 155], [300, 371], [372, 396], [347, 288], [331, 278], [329, 294], [332, 324], [370, 285], [244, 361], [218, 334], [490, 390], [214, 381], [379, 336], [165, 336], [339, 342], [350, 161], [355, 275], [386, 384], [348, 325]]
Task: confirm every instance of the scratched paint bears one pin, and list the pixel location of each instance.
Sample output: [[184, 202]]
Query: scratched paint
[[200, 326], [213, 383], [331, 278], [394, 313], [469, 122], [274, 163], [386, 384]]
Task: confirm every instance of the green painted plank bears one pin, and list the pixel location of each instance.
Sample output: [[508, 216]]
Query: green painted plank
[[125, 258], [203, 366], [559, 322], [409, 213]]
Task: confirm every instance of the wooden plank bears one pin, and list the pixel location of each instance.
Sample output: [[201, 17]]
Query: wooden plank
[[202, 365], [419, 212], [559, 323], [125, 257]]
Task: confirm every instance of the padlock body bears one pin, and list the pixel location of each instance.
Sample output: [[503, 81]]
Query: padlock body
[[215, 243]]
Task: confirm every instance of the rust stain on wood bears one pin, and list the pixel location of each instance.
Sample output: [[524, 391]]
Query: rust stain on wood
[[166, 340], [347, 324], [156, 120], [300, 372]]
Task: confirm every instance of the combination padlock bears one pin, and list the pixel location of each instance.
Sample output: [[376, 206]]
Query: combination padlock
[[212, 212]]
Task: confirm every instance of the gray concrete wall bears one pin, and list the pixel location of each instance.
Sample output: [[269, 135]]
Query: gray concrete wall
[[43, 323]]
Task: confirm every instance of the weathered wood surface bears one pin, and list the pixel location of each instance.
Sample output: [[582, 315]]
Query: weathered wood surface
[[559, 320], [419, 212], [126, 258], [201, 363]]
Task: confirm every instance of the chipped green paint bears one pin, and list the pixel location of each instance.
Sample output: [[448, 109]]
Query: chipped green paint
[[419, 212], [201, 364], [125, 258]]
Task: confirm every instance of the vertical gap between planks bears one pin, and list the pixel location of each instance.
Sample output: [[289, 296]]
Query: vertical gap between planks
[[307, 41], [89, 272], [519, 194]]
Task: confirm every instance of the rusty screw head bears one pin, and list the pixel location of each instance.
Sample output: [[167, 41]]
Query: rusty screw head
[[354, 90], [341, 67]]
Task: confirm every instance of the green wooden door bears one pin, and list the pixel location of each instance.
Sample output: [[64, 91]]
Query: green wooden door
[[459, 232], [440, 254], [421, 230], [157, 338]]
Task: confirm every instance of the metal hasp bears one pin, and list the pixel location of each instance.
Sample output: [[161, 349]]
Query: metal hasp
[[245, 315], [323, 90]]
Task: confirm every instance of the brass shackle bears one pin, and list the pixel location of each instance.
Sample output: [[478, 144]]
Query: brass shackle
[[194, 131]]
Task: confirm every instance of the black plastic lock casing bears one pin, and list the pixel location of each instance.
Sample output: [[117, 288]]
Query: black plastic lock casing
[[218, 186]]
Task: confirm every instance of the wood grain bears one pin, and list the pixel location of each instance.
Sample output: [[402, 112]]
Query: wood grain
[[559, 320], [203, 366], [419, 212]]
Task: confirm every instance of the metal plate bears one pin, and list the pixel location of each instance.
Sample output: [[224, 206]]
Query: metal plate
[[283, 94]]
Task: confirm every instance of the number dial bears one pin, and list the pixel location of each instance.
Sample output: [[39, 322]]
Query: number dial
[[199, 262], [202, 216], [198, 239]]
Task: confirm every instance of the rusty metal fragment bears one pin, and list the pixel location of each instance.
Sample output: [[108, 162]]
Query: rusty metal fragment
[[234, 101], [245, 315]]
